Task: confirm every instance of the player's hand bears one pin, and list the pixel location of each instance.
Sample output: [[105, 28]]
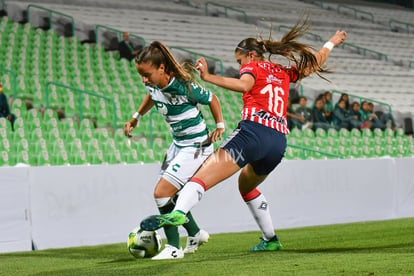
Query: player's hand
[[129, 126], [338, 38], [201, 66], [216, 135]]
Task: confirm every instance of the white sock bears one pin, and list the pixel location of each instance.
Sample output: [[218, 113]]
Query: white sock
[[260, 210], [162, 201], [190, 195]]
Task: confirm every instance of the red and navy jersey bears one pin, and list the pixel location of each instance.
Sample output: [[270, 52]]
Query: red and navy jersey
[[266, 102]]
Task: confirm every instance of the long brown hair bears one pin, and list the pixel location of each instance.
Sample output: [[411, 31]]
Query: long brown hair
[[301, 54], [157, 53]]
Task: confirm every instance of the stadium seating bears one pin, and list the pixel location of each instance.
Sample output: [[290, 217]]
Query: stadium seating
[[358, 76], [73, 141], [382, 13]]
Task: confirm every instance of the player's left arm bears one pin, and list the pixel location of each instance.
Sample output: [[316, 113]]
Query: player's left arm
[[323, 53], [215, 109]]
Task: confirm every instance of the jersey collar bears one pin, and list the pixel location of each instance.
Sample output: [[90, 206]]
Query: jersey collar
[[169, 84]]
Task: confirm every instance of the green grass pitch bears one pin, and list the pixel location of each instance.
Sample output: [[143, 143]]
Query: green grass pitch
[[371, 248]]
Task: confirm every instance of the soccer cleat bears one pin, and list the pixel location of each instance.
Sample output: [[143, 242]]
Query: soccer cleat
[[169, 253], [194, 242], [270, 245], [154, 222]]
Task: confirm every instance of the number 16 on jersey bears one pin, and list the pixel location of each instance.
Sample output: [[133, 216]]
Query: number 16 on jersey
[[276, 102]]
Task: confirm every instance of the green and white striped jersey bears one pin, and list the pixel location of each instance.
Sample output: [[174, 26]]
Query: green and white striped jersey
[[179, 109]]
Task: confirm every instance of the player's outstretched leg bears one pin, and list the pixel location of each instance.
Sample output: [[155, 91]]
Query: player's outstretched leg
[[172, 249], [154, 222]]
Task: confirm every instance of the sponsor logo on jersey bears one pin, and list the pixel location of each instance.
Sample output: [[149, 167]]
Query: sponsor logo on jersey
[[174, 100], [266, 116], [272, 79], [162, 109], [176, 128]]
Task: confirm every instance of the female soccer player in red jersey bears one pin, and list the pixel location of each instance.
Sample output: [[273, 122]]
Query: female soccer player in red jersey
[[258, 144]]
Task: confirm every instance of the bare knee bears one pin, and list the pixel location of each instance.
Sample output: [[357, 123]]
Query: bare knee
[[158, 193], [242, 180], [249, 180], [164, 189]]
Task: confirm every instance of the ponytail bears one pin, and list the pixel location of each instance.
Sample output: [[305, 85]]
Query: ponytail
[[301, 54], [157, 53]]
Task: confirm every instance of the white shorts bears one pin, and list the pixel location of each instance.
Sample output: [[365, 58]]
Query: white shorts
[[180, 164]]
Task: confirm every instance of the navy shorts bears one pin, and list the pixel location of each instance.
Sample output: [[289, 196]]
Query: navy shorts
[[255, 144]]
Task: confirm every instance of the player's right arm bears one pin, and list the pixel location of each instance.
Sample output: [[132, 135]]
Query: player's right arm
[[244, 84], [145, 106]]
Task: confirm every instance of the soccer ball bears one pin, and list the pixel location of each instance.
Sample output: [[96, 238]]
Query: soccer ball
[[143, 244]]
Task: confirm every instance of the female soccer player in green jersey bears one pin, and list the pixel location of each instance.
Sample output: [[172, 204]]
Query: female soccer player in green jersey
[[175, 94]]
